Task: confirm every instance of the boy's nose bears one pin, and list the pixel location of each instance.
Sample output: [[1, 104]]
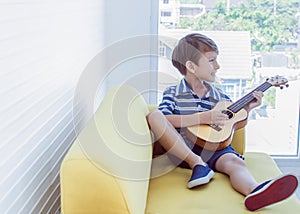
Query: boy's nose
[[217, 66]]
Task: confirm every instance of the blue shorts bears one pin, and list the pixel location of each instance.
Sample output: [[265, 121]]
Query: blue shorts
[[210, 157]]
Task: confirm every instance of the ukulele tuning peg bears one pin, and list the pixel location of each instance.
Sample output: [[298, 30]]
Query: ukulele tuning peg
[[281, 87], [287, 85]]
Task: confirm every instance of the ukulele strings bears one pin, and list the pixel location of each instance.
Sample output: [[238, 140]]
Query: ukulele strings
[[241, 103]]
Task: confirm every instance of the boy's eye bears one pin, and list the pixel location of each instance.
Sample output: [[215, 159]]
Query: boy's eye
[[211, 60]]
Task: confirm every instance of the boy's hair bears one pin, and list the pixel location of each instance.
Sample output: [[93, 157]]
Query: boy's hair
[[190, 48]]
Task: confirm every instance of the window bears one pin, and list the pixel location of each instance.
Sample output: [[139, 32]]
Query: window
[[273, 127], [162, 50], [165, 13]]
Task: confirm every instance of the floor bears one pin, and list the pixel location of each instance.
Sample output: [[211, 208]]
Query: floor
[[291, 166]]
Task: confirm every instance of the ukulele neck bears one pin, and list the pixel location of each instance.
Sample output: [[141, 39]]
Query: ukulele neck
[[241, 103]]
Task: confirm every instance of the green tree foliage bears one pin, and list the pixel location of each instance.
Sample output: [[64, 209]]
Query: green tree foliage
[[268, 25], [270, 97]]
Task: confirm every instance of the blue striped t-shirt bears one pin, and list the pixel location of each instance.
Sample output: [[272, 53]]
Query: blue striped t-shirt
[[180, 99]]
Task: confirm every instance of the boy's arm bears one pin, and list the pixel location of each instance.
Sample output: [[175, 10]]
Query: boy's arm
[[206, 117]]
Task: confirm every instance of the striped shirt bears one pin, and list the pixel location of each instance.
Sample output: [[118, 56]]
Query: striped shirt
[[180, 99]]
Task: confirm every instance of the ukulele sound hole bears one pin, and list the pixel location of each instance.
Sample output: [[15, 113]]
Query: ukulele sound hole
[[229, 113]]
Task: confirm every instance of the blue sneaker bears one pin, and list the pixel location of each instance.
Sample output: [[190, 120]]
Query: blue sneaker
[[271, 192], [201, 175]]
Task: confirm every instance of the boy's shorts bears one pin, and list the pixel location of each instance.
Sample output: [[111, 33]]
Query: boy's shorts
[[210, 157]]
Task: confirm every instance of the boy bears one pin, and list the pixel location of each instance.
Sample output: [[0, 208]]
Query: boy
[[195, 56]]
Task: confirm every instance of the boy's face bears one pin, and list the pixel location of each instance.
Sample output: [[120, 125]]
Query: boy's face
[[206, 67]]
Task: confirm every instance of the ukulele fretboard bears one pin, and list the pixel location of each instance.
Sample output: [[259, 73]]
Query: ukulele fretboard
[[241, 103]]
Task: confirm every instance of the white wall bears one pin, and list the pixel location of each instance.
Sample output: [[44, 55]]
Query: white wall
[[129, 55], [44, 48], [131, 31]]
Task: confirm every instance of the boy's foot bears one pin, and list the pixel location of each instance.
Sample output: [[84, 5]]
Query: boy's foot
[[201, 175], [271, 192]]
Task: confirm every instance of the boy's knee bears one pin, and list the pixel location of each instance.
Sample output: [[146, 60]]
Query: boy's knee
[[157, 122], [155, 113], [231, 161], [155, 116], [237, 163]]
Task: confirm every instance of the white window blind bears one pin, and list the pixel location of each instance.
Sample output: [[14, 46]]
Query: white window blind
[[44, 45]]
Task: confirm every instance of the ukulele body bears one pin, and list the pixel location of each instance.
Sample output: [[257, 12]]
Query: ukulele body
[[212, 137]]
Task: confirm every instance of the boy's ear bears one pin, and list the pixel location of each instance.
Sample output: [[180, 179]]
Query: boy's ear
[[189, 65]]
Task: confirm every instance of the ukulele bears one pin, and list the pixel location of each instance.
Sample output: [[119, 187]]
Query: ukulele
[[216, 137]]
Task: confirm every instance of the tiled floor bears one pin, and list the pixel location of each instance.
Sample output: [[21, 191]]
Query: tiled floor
[[295, 169]]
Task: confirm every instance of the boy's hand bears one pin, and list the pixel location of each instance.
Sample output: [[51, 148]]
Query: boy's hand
[[213, 117], [258, 95]]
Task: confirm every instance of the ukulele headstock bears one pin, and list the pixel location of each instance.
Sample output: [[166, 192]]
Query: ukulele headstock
[[278, 81]]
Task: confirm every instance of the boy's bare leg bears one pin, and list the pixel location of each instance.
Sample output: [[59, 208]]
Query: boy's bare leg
[[240, 177], [170, 139], [257, 195]]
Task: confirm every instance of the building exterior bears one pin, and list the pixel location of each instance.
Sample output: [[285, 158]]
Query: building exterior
[[170, 12]]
